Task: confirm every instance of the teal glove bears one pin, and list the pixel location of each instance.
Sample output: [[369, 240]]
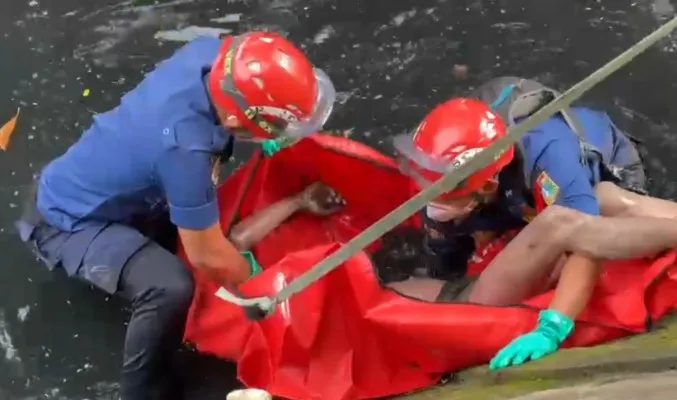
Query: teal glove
[[270, 147], [553, 328], [253, 264]]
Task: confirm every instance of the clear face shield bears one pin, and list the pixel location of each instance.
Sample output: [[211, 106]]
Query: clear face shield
[[425, 171], [324, 105]]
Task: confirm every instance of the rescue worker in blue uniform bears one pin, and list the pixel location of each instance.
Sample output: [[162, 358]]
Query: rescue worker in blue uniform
[[98, 208], [551, 165], [555, 183]]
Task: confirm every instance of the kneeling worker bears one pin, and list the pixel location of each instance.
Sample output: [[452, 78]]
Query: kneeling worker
[[576, 177], [96, 204]]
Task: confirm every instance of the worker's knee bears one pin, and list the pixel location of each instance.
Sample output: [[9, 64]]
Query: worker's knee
[[176, 295], [158, 279], [604, 188], [557, 223], [173, 293], [611, 199]]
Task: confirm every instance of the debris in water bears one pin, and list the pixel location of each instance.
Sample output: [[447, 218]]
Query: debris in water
[[7, 130], [11, 354], [228, 18], [22, 313], [191, 32], [324, 34], [460, 71], [85, 93], [84, 368]]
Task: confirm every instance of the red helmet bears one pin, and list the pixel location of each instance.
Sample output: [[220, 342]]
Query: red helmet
[[450, 135], [269, 84]]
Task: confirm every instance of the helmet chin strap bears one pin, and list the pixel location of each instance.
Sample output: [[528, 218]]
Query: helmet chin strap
[[481, 198]]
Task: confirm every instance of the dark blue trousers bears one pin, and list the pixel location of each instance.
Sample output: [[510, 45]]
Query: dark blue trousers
[[123, 261]]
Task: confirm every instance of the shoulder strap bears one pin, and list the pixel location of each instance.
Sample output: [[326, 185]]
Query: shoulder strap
[[515, 98], [532, 97]]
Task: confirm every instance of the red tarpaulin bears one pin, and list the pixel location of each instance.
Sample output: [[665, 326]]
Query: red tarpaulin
[[346, 337]]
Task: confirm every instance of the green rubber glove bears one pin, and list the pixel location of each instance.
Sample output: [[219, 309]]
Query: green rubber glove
[[553, 328], [253, 264], [270, 147]]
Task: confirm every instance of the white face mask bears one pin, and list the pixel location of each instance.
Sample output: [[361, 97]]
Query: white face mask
[[445, 213]]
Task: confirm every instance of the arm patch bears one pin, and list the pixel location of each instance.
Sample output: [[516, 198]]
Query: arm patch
[[547, 188]]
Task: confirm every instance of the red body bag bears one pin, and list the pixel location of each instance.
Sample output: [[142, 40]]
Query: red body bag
[[345, 336]]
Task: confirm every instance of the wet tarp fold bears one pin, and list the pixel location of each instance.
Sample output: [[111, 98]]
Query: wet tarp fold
[[346, 337]]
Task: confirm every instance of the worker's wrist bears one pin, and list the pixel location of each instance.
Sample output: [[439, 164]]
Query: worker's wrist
[[555, 324], [254, 266]]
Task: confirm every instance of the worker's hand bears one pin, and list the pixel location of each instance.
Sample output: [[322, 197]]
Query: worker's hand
[[553, 328], [320, 199], [270, 147], [254, 266]]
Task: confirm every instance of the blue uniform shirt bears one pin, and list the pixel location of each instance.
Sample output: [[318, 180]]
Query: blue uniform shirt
[[154, 150], [551, 160]]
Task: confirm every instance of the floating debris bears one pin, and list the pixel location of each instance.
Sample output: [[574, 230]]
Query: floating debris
[[7, 130], [324, 34], [22, 313], [191, 32], [460, 71], [6, 345], [228, 18]]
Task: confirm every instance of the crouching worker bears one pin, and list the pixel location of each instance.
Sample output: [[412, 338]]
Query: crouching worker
[[576, 177], [95, 206]]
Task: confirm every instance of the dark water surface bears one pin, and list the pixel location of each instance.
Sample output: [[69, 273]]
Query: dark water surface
[[390, 60]]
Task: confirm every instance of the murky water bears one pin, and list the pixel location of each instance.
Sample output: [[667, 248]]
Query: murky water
[[390, 60]]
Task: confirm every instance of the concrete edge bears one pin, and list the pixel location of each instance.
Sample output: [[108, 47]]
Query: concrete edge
[[640, 354]]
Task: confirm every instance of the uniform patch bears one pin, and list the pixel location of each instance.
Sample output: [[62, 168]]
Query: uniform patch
[[548, 188]]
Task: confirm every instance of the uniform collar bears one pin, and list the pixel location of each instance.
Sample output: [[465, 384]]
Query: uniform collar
[[222, 138], [212, 109]]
